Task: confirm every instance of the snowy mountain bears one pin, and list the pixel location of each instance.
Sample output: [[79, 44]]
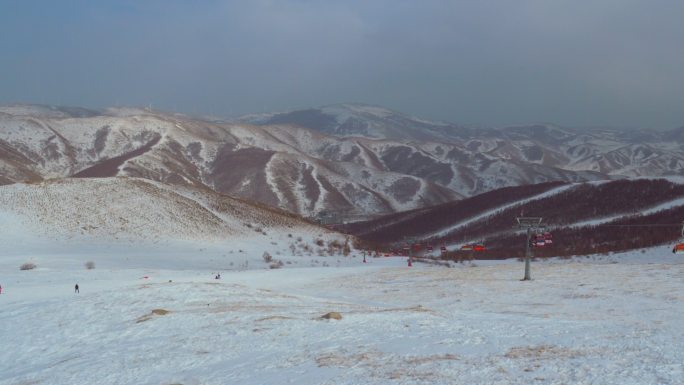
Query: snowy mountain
[[343, 162], [607, 151], [363, 120], [296, 170]]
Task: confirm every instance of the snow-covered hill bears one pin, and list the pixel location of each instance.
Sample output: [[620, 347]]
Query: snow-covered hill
[[75, 214]]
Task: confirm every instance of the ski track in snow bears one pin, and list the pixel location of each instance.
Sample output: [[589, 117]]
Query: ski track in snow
[[590, 320], [319, 204], [649, 211], [271, 181], [485, 214]]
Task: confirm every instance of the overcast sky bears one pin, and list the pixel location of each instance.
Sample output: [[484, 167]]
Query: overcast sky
[[616, 63]]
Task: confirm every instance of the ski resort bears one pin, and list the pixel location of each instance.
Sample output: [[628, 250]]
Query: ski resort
[[341, 192], [183, 286]]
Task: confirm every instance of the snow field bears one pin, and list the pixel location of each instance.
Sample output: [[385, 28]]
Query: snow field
[[606, 320]]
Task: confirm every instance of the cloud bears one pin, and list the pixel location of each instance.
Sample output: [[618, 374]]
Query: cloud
[[494, 62]]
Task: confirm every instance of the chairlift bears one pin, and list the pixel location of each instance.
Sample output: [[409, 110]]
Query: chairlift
[[679, 247], [479, 246], [541, 239]]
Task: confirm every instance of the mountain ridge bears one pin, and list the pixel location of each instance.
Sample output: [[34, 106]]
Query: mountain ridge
[[311, 172]]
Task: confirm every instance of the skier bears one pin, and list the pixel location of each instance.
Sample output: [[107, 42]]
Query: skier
[[76, 289], [0, 289]]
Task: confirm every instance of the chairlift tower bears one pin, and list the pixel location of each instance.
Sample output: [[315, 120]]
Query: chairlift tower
[[530, 224]]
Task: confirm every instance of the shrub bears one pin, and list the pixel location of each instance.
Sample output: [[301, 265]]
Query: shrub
[[27, 266], [334, 244], [90, 265], [346, 249], [268, 258]]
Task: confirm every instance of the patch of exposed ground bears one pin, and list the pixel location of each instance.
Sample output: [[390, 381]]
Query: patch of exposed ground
[[154, 312], [110, 167], [541, 352]]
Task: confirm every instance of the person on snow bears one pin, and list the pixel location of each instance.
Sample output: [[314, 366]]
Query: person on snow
[[76, 289], [0, 289]]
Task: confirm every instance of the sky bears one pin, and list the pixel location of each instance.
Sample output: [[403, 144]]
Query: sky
[[600, 63]]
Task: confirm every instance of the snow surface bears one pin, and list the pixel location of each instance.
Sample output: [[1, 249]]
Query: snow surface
[[587, 320]]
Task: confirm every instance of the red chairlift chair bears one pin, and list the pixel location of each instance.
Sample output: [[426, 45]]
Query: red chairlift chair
[[679, 247]]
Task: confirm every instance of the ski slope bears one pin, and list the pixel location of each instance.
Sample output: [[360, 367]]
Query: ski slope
[[587, 320]]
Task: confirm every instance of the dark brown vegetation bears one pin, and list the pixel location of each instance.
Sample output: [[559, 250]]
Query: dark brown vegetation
[[563, 212], [395, 227], [620, 235]]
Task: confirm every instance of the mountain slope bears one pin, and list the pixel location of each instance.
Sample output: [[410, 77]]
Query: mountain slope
[[129, 209], [585, 218]]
